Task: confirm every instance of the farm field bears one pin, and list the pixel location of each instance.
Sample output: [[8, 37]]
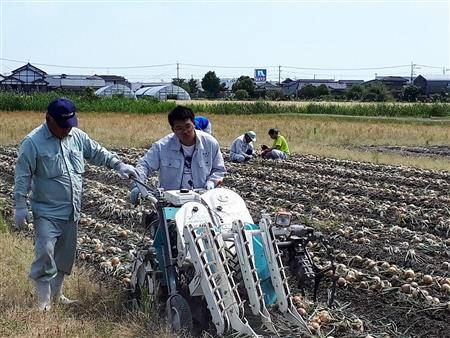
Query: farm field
[[389, 225], [354, 138]]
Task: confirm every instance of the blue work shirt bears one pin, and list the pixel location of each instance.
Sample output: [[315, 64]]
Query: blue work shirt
[[52, 169], [166, 156], [240, 146]]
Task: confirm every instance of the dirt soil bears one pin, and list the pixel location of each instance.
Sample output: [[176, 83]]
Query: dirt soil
[[381, 220]]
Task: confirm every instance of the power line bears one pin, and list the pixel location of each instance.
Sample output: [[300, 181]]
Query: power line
[[188, 66], [218, 66], [434, 67], [91, 67], [351, 69]]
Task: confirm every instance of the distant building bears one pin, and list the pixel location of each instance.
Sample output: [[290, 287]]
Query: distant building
[[432, 84], [115, 80], [167, 92], [115, 90], [75, 82], [292, 87], [138, 85], [264, 88], [350, 83], [394, 83], [27, 78], [226, 83]]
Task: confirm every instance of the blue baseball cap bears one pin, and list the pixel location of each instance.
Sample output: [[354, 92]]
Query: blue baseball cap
[[63, 112]]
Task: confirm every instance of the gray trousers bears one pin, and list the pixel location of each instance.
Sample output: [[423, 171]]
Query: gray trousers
[[276, 154], [54, 247], [237, 157]]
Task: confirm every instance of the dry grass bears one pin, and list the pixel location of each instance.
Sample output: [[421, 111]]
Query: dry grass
[[323, 135], [100, 313]]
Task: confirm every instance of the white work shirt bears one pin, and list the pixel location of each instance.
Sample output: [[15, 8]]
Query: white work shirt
[[166, 157], [240, 146]]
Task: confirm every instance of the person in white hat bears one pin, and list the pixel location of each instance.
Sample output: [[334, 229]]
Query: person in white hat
[[242, 147]]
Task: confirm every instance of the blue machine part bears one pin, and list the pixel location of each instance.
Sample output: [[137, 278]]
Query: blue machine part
[[262, 268], [160, 241]]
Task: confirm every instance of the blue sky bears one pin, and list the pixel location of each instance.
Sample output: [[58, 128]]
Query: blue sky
[[338, 38]]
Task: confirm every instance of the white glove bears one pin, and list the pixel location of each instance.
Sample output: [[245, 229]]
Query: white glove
[[126, 171], [209, 185], [20, 217]]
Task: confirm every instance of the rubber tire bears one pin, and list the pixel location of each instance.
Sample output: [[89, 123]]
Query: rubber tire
[[179, 316]]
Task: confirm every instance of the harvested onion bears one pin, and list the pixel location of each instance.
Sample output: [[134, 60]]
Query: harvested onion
[[410, 273], [427, 279]]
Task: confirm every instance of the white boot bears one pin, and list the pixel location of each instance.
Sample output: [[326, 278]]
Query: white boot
[[43, 295], [56, 290]]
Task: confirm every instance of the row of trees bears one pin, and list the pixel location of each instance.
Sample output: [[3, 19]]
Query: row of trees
[[212, 86], [245, 88]]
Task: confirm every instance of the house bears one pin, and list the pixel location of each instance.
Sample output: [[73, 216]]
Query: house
[[292, 87], [227, 83], [432, 84], [27, 78], [350, 83], [75, 82], [394, 83], [263, 88], [115, 80]]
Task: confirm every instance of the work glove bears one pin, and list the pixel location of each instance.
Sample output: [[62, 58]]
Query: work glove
[[209, 185], [126, 171], [20, 217], [248, 157], [135, 196]]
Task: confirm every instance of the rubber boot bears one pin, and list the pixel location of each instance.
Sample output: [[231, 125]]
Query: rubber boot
[[43, 293], [56, 290]]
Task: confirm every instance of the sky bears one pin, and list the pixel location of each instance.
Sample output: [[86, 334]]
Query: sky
[[150, 40]]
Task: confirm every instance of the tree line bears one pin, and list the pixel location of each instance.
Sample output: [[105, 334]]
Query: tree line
[[245, 89]]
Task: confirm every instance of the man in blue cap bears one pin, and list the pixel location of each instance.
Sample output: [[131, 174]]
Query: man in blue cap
[[202, 123], [50, 164]]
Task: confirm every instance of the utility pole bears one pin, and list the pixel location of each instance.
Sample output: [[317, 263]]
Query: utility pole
[[279, 75], [178, 70], [412, 71]]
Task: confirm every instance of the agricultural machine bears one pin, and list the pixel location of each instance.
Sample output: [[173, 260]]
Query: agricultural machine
[[207, 259]]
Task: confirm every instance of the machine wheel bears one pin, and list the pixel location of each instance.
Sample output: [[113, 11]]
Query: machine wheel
[[233, 263], [179, 315], [147, 288]]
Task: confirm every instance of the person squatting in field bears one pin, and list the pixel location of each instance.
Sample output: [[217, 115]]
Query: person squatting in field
[[279, 149], [185, 159], [242, 147], [50, 164], [203, 123]]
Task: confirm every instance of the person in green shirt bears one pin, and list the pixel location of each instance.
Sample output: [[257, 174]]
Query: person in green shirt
[[279, 149]]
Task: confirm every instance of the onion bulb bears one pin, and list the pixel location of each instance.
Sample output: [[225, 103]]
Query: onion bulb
[[115, 261]]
